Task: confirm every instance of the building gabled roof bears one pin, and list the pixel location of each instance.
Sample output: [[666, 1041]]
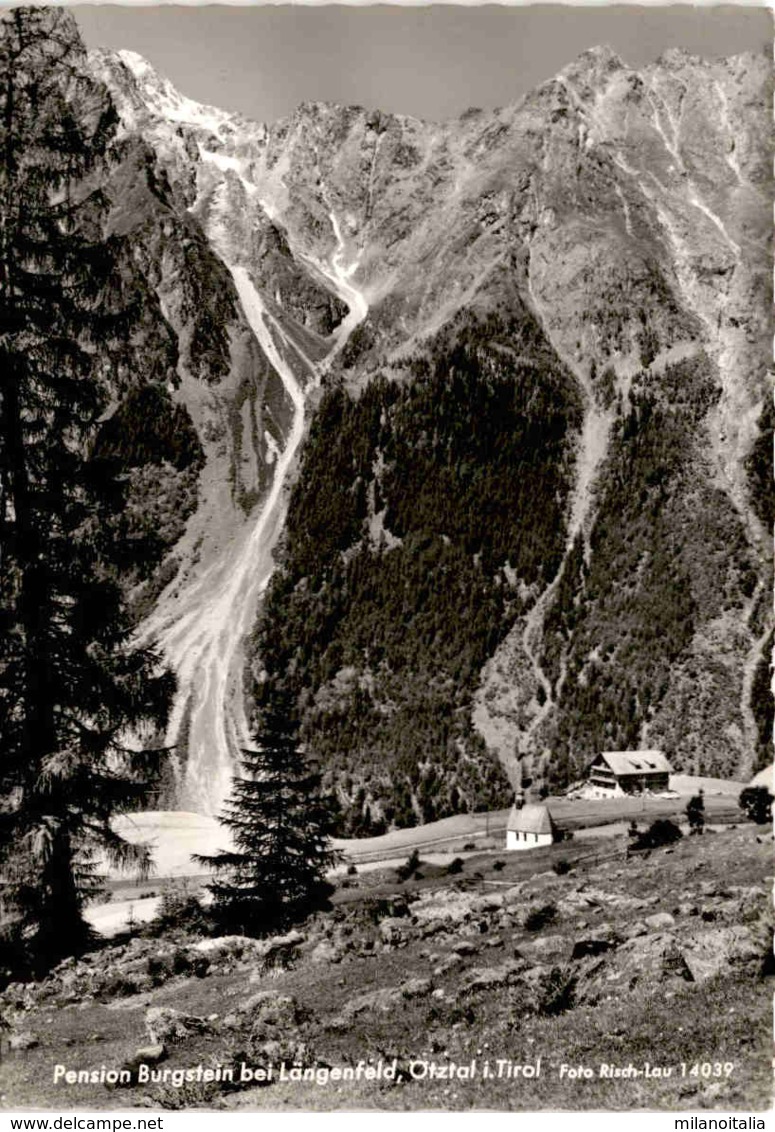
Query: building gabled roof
[[530, 819], [635, 762]]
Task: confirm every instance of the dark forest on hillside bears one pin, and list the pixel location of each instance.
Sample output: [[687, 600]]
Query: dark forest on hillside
[[392, 593]]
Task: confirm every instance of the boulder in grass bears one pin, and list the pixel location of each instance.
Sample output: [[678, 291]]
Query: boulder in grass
[[591, 945], [451, 963], [660, 921], [151, 1054], [146, 1055], [742, 946], [465, 947], [433, 927], [633, 930], [279, 951], [271, 1009], [545, 946], [393, 932], [486, 978], [645, 961], [325, 952], [272, 1023], [514, 896], [274, 1050], [490, 902], [416, 988], [385, 1000], [226, 947], [165, 1025]]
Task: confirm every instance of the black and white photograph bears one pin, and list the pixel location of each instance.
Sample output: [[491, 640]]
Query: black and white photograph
[[386, 588]]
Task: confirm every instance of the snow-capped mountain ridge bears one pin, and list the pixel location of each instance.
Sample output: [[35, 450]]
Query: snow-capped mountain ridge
[[600, 249], [411, 224]]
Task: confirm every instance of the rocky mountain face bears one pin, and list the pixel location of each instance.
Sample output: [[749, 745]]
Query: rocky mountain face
[[476, 416]]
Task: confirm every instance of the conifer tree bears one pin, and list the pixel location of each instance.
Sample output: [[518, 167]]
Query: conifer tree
[[280, 825], [71, 684]]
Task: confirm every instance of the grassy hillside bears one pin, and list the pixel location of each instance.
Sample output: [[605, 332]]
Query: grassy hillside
[[576, 954]]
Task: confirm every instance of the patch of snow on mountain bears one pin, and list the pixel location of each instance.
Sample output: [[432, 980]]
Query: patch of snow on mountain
[[164, 100]]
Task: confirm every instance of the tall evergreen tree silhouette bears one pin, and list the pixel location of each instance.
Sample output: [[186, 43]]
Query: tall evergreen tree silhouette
[[280, 826], [71, 684]]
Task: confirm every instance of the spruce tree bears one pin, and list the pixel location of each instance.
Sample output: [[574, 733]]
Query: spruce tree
[[72, 686], [281, 827]]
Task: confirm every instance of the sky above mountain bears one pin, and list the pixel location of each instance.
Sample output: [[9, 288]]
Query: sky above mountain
[[433, 62]]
